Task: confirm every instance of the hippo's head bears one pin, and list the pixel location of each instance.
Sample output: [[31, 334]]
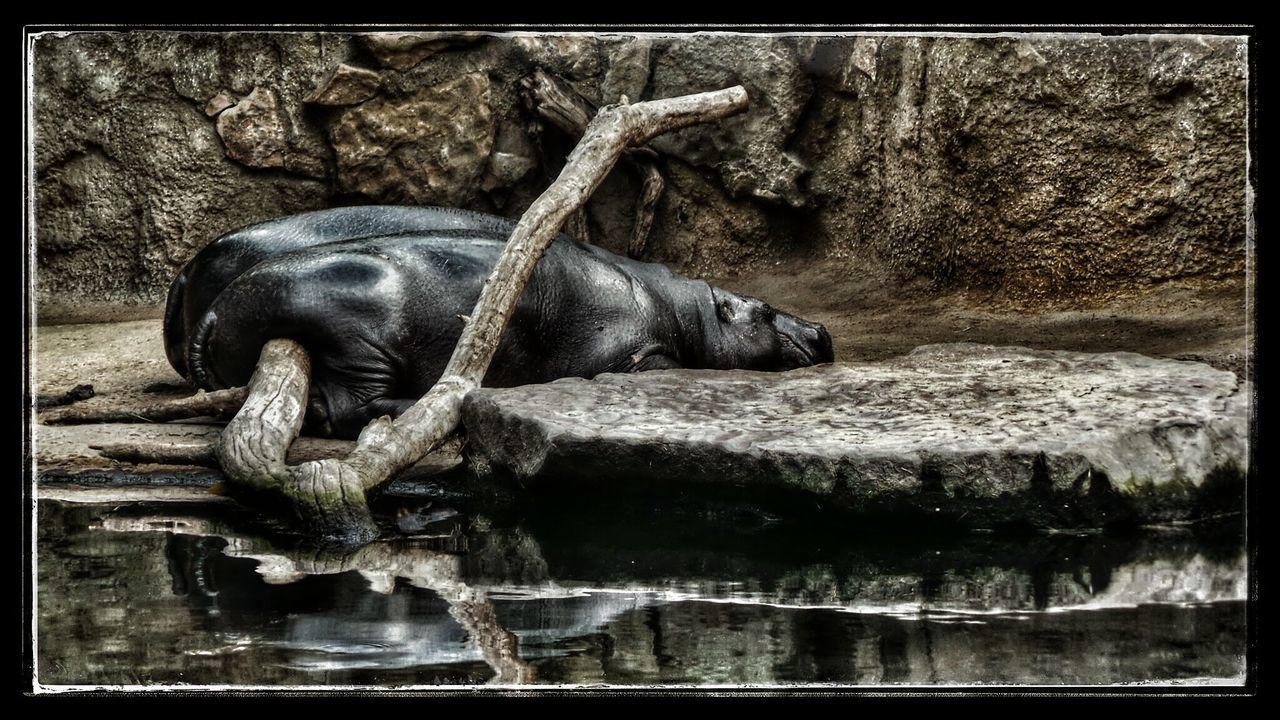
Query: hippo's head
[[747, 333]]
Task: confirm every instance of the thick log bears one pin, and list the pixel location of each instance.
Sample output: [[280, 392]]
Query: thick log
[[256, 440], [204, 452], [329, 494]]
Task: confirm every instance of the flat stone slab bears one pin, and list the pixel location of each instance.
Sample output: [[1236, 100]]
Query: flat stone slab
[[960, 421]]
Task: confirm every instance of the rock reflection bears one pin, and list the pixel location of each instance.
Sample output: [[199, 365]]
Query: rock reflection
[[132, 596]]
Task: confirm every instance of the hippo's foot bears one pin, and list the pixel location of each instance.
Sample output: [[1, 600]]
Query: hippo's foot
[[167, 387]]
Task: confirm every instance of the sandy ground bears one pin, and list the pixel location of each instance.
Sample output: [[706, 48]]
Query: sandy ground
[[118, 358], [868, 322]]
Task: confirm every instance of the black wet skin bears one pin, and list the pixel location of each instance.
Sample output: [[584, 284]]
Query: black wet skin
[[380, 317], [227, 257]]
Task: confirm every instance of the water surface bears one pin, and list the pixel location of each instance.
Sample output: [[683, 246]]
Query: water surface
[[197, 595]]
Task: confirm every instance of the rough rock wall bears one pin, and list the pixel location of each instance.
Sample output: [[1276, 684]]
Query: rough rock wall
[[1039, 166]]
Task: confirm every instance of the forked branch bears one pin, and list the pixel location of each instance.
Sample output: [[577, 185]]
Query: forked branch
[[329, 494]]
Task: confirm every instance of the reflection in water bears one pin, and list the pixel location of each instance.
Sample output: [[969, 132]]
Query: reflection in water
[[138, 596]]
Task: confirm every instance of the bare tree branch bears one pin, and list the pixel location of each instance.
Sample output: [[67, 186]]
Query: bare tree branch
[[329, 494]]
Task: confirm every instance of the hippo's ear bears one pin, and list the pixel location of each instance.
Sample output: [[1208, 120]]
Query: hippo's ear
[[725, 310]]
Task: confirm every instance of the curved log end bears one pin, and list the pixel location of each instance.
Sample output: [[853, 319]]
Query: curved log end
[[329, 498]]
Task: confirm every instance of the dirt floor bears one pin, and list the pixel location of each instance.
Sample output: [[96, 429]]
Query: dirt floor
[[868, 321]]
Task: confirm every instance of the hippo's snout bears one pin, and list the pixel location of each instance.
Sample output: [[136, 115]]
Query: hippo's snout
[[804, 343], [821, 342]]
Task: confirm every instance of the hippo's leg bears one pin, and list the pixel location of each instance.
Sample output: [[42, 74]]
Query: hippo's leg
[[348, 400], [346, 310], [328, 417], [656, 362], [394, 407], [651, 357]]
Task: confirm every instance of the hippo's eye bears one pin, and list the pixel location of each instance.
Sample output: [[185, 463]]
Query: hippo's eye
[[768, 313], [724, 309]]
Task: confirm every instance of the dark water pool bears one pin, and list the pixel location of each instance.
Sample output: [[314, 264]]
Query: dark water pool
[[188, 594]]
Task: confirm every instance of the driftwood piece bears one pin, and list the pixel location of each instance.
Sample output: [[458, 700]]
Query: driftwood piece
[[186, 453], [556, 102], [329, 494], [74, 395], [219, 403]]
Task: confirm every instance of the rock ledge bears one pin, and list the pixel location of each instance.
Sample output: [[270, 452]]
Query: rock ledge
[[957, 423]]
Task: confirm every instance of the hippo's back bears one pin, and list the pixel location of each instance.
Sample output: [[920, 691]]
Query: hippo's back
[[381, 317], [230, 255]]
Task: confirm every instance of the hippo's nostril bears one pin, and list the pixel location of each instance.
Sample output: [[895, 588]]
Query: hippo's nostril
[[822, 341]]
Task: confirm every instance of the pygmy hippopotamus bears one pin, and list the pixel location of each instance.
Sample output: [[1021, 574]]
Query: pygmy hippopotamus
[[224, 259], [381, 316]]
